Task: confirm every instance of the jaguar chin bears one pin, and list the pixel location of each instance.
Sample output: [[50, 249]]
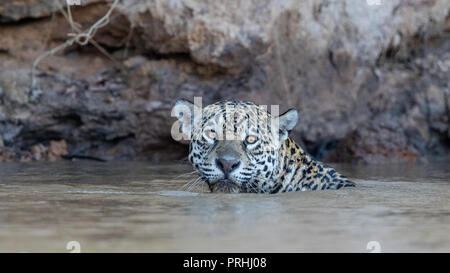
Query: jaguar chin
[[224, 185], [238, 146]]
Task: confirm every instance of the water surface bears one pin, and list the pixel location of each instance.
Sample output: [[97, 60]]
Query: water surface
[[137, 206]]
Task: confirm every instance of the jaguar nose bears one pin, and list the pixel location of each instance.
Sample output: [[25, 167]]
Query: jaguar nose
[[227, 164]]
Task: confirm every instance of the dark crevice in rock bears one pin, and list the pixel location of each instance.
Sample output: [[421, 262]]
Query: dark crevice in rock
[[5, 21], [71, 119], [179, 56]]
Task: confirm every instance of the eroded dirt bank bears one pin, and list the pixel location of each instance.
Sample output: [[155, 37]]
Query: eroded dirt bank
[[371, 82]]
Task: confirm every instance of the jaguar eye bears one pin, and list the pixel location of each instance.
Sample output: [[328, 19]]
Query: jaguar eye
[[211, 134], [251, 139]]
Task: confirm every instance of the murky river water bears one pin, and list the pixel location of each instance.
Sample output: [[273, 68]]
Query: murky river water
[[133, 207]]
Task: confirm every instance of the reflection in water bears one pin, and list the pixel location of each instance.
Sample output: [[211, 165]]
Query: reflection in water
[[140, 207]]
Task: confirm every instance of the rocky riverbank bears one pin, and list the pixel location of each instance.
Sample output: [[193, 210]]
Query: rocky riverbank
[[371, 82]]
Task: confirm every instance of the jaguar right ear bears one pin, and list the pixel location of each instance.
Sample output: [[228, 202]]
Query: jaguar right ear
[[187, 113]]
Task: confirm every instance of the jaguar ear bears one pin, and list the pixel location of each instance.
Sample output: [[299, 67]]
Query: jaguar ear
[[286, 122], [187, 113]]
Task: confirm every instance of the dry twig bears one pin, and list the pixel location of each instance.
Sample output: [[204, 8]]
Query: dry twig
[[78, 36]]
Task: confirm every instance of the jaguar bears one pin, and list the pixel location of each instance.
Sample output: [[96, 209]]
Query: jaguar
[[239, 147]]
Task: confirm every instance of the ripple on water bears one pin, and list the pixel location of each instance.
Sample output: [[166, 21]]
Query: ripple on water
[[178, 193]]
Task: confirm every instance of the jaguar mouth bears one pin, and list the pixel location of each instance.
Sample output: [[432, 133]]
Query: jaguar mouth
[[224, 186]]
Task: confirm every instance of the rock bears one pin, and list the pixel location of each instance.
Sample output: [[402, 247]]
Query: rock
[[15, 10], [232, 35], [13, 88], [57, 149], [38, 151], [6, 155], [52, 152]]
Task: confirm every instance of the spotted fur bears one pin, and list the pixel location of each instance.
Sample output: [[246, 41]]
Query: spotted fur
[[273, 164]]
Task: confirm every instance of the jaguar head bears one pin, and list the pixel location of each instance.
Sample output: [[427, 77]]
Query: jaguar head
[[234, 145]]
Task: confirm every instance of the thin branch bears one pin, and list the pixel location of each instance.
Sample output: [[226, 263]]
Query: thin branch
[[81, 38]]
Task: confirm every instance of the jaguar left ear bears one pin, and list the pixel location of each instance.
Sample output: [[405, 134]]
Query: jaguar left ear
[[286, 122]]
